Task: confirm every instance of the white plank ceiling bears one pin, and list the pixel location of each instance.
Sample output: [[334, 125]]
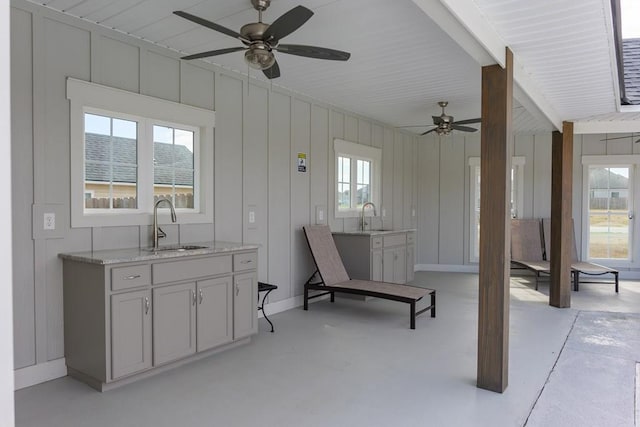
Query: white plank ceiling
[[402, 63]]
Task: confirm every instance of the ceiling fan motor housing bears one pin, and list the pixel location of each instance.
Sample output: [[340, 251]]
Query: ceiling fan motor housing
[[261, 5]]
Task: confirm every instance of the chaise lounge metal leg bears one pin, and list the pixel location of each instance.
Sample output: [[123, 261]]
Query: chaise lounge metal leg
[[433, 304], [576, 280], [615, 273], [412, 314], [306, 298], [333, 297]]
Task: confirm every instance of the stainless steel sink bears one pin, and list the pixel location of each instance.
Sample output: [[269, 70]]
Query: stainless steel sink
[[176, 248]]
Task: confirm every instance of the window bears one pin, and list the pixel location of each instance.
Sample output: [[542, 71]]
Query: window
[[609, 192], [110, 162], [357, 177], [517, 200], [129, 150]]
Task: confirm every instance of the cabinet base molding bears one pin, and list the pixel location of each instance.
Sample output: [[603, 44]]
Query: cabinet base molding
[[40, 373], [100, 386], [448, 268]]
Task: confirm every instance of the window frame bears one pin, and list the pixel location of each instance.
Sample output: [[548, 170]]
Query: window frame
[[614, 160], [355, 151], [98, 99], [518, 163]]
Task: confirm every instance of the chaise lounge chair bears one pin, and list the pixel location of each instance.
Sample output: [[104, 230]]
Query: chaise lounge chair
[[332, 277], [527, 247], [578, 267]]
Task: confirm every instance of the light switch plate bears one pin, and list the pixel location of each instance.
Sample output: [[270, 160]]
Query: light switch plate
[[321, 215], [252, 214]]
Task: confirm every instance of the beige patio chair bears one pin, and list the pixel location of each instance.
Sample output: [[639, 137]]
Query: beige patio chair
[[578, 267], [332, 277], [527, 247]]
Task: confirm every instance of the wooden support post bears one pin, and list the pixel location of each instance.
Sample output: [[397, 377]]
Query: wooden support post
[[561, 222], [495, 226]]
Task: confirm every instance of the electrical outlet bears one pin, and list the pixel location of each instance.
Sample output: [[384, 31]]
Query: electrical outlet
[[384, 212], [49, 221], [252, 217], [320, 215]]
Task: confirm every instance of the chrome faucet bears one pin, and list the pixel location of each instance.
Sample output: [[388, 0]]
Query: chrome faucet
[[363, 222], [157, 231]]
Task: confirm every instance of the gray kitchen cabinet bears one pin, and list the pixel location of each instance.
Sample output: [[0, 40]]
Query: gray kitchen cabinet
[[126, 320], [376, 265], [214, 312], [394, 265], [245, 319], [378, 255], [411, 262], [174, 322], [130, 332]]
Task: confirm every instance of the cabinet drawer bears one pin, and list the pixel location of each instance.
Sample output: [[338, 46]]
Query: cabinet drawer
[[245, 261], [174, 271], [376, 242], [411, 238], [130, 276], [394, 240]]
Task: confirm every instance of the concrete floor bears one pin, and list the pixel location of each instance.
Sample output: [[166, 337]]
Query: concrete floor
[[356, 363]]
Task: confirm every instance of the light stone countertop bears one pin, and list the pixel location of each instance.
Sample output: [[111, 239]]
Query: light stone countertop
[[374, 232], [116, 256]]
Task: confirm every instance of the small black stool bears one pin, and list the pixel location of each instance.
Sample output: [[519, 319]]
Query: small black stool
[[265, 287]]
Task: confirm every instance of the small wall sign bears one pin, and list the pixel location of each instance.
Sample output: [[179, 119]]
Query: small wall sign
[[302, 162]]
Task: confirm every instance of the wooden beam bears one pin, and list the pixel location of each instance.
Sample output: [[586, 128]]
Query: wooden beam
[[561, 223], [495, 226]]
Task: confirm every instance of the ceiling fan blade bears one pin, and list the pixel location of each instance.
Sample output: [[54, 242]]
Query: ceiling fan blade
[[414, 126], [467, 121], [313, 52], [209, 24], [287, 23], [463, 128], [213, 53], [429, 131], [272, 72]]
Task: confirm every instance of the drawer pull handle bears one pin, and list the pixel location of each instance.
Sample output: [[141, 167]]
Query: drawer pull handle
[[193, 297], [133, 276], [237, 290], [246, 262], [201, 295], [146, 305]]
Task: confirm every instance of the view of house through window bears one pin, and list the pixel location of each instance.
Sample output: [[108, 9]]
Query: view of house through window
[[111, 165], [173, 165], [357, 177], [610, 198], [353, 191]]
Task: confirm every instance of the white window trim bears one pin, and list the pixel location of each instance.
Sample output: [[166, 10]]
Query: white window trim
[[519, 161], [85, 96], [344, 148], [613, 160]]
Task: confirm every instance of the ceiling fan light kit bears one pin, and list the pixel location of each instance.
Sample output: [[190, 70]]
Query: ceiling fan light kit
[[260, 40]]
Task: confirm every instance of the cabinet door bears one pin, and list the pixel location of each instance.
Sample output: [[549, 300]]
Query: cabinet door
[[376, 265], [400, 265], [130, 333], [215, 319], [388, 260], [174, 322], [245, 305], [411, 263]]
